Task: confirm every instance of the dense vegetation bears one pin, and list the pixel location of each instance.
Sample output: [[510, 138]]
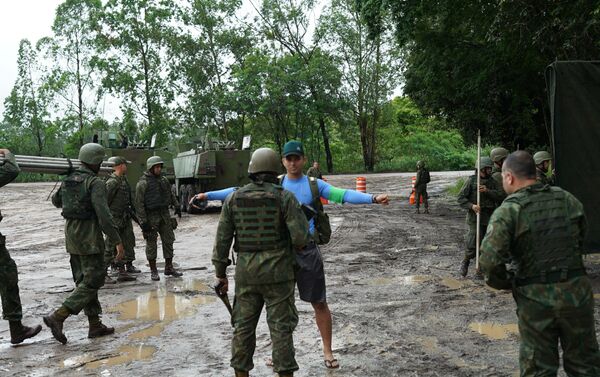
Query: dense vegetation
[[183, 68]]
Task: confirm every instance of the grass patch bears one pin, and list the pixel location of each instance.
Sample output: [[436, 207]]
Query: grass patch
[[455, 188]]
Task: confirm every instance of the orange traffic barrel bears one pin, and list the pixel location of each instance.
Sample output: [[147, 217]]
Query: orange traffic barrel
[[361, 184], [411, 199], [323, 200]]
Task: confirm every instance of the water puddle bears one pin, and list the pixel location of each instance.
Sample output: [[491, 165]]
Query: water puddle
[[453, 283], [148, 332], [126, 355], [414, 279], [494, 331], [407, 280]]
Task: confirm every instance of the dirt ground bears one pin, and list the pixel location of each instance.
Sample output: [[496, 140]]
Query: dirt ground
[[399, 306]]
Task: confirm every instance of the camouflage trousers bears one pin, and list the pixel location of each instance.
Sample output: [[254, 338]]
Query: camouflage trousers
[[9, 287], [161, 225], [128, 239], [421, 191], [88, 273], [541, 327], [471, 239], [282, 318]]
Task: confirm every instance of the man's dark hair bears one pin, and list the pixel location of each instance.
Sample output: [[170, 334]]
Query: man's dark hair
[[264, 177], [520, 164]]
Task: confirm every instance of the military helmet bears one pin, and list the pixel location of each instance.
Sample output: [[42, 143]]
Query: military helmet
[[541, 156], [485, 162], [118, 160], [264, 160], [152, 161], [91, 154], [420, 164], [498, 154]]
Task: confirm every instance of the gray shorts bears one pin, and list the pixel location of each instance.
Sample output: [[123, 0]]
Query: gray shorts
[[310, 275]]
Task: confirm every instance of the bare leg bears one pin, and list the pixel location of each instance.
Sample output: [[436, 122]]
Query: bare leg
[[324, 323]]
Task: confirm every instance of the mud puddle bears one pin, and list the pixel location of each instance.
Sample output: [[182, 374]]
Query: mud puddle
[[495, 331]]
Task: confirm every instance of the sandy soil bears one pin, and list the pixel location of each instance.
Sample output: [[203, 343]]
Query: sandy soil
[[399, 306]]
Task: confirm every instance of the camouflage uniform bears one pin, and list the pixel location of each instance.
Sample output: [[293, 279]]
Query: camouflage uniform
[[421, 188], [83, 238], [488, 200], [543, 177], [541, 230], [9, 288], [153, 196], [118, 193], [268, 224]]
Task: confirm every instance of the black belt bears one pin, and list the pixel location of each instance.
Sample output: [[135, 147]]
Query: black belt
[[551, 277]]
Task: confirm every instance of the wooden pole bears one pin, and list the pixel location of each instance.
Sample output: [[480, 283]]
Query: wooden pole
[[478, 198]]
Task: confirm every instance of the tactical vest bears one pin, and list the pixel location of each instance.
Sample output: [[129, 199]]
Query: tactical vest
[[157, 194], [485, 201], [553, 248], [258, 218], [76, 198], [121, 199]]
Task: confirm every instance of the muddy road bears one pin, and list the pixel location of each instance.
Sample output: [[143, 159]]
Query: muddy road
[[399, 306]]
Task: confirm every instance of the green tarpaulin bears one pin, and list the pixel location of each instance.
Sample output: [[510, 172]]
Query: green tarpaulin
[[574, 95]]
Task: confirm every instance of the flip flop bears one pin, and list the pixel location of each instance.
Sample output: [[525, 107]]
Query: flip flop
[[331, 364], [269, 362]]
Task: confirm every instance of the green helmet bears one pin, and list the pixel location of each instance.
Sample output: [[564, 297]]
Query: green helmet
[[485, 162], [118, 160], [420, 164], [152, 161], [91, 154], [264, 160], [541, 156], [498, 154]]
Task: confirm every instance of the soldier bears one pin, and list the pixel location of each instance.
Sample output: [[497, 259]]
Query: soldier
[[268, 225], [9, 278], [118, 193], [498, 155], [423, 179], [314, 171], [153, 196], [82, 197], [542, 164], [541, 230], [491, 195]]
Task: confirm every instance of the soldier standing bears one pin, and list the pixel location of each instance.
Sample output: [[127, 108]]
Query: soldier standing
[[82, 197], [541, 229], [315, 171], [153, 196], [9, 278], [118, 194], [421, 182], [491, 195], [542, 165], [268, 225], [498, 155]]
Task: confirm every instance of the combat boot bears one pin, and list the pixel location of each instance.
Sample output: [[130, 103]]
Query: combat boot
[[239, 373], [169, 270], [18, 332], [131, 268], [99, 329], [417, 211], [56, 326], [124, 276], [427, 211], [153, 271], [286, 374], [478, 274], [109, 280], [464, 268]]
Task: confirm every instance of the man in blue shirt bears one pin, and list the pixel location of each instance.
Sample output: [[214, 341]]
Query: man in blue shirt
[[311, 275]]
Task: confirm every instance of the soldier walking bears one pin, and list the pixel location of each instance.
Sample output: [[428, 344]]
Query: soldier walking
[[423, 178], [153, 196], [541, 229], [82, 197], [9, 277], [315, 171], [491, 195], [268, 226], [118, 194], [542, 161]]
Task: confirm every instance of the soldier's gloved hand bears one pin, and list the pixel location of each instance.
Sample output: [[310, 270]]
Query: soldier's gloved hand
[[476, 208], [120, 252], [482, 188], [178, 211]]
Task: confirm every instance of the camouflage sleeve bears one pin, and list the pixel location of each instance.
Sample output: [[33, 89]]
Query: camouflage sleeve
[[9, 169], [464, 194], [224, 238], [112, 186], [140, 193], [98, 190], [496, 246], [57, 198], [295, 221], [577, 217], [495, 191]]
